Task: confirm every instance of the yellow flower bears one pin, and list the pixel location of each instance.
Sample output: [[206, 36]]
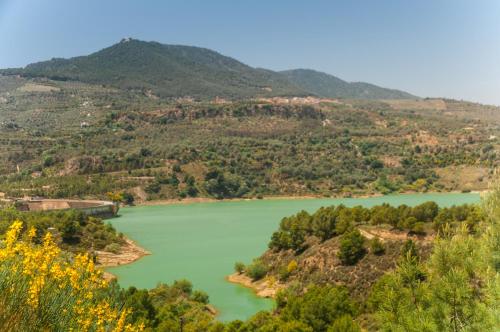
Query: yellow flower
[[31, 233], [13, 233], [47, 273], [120, 325], [35, 288]]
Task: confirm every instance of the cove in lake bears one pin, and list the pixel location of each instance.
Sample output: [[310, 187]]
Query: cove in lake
[[202, 241]]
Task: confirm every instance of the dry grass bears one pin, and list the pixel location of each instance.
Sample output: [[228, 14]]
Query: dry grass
[[320, 263], [464, 177], [32, 87], [417, 104]]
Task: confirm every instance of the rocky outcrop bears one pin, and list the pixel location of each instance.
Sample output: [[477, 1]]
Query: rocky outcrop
[[128, 253], [267, 287]]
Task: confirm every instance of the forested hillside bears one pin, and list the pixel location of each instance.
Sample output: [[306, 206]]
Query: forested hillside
[[394, 269], [173, 71], [354, 246], [329, 86], [166, 71]]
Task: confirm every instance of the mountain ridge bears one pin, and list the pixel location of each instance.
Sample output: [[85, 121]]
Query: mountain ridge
[[330, 86], [181, 71]]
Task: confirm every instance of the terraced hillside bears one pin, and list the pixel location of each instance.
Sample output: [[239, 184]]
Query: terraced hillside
[[71, 139]]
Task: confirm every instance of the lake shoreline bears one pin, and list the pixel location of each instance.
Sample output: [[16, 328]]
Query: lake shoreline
[[194, 200], [129, 253], [132, 252], [262, 288], [221, 234]]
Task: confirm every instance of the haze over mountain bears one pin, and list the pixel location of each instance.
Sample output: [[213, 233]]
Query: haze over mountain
[[179, 71]]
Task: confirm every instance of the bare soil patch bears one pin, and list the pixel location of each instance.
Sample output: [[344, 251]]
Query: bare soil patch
[[129, 253], [471, 178], [32, 87], [263, 288]]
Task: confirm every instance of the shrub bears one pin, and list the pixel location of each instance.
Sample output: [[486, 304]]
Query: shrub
[[128, 198], [377, 247], [319, 307], [351, 248], [376, 164], [40, 290], [221, 185], [292, 266], [257, 270], [169, 308], [48, 161], [344, 324], [418, 228], [343, 225], [407, 223], [184, 286], [409, 249], [283, 274], [113, 247], [425, 212], [153, 188], [200, 296], [191, 191], [239, 267]]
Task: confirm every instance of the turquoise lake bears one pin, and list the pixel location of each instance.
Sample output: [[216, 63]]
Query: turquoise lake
[[202, 241]]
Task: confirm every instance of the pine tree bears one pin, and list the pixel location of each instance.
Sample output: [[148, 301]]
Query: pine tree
[[455, 290]]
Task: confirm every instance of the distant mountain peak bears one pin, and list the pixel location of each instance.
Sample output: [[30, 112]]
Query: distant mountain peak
[[189, 71], [126, 40]]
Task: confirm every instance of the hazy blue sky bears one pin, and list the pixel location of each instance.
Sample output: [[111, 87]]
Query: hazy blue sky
[[428, 47]]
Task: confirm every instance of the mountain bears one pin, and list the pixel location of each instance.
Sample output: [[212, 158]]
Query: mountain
[[180, 71], [166, 70], [329, 86]]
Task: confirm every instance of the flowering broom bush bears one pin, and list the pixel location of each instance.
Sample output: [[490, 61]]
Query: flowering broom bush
[[42, 289]]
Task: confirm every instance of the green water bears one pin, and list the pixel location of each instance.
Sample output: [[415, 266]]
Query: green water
[[202, 241]]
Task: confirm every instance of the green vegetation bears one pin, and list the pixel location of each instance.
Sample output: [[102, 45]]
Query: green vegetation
[[83, 140], [180, 71], [73, 230], [328, 222], [329, 246], [91, 133], [351, 247], [45, 289], [257, 270], [377, 247], [168, 308], [319, 308], [456, 289], [329, 86], [452, 288], [239, 267], [166, 71]]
